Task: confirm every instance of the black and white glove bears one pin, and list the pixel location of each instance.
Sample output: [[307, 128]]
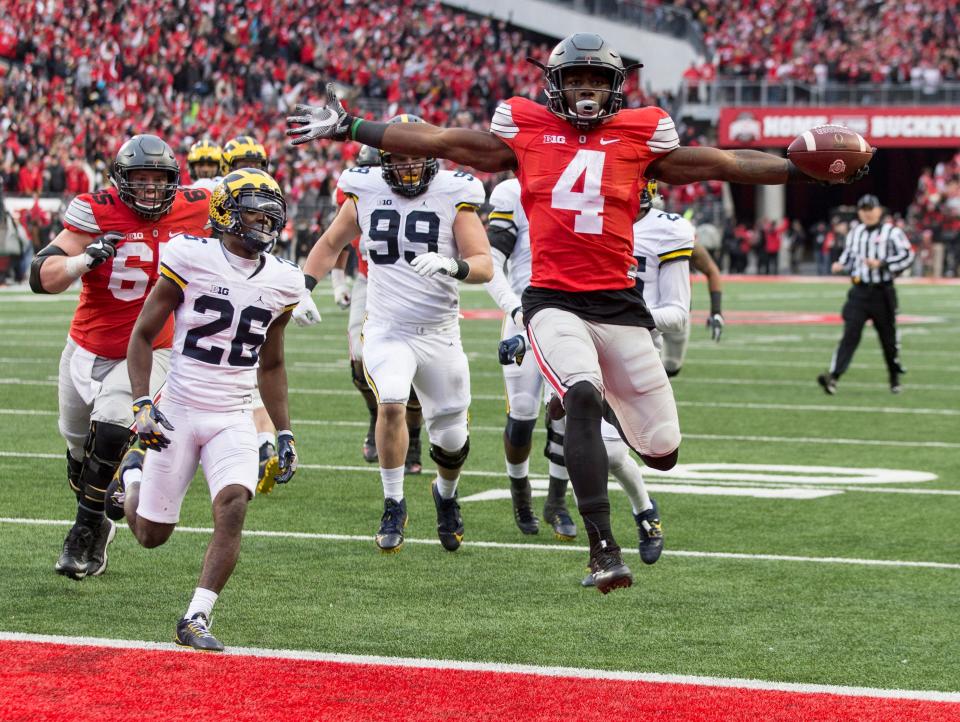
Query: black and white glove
[[103, 248], [287, 454], [430, 264], [715, 326], [311, 122], [511, 350], [150, 423]]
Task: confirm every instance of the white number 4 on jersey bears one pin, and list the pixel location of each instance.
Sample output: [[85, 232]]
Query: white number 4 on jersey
[[589, 202]]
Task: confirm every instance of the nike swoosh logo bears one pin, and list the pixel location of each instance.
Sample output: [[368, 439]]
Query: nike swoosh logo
[[608, 141]]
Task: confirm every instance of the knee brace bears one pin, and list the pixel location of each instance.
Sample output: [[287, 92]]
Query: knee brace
[[553, 449], [519, 432], [413, 403], [356, 375], [105, 447], [662, 463], [583, 401], [672, 372], [74, 469], [450, 459], [523, 406]]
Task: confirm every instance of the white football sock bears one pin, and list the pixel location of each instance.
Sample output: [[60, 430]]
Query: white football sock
[[392, 480], [447, 489], [202, 603]]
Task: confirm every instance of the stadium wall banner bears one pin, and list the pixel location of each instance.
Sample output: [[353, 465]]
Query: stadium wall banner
[[886, 127]]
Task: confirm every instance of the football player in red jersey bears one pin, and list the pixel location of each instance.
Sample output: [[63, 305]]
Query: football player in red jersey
[[112, 240], [581, 161]]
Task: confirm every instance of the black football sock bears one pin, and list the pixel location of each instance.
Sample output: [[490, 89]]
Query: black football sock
[[586, 459]]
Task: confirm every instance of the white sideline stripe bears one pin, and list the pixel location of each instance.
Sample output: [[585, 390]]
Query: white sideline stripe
[[500, 668], [373, 469], [559, 547]]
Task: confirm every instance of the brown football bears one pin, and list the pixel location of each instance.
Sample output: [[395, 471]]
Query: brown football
[[830, 152]]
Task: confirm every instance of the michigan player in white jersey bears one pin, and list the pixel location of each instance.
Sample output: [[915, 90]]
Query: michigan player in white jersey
[[204, 159], [231, 300], [509, 235], [663, 244], [422, 234]]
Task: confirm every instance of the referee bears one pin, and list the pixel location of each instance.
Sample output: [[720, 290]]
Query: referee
[[873, 254]]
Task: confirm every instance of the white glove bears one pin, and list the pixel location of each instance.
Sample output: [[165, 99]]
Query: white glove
[[306, 313], [341, 291], [430, 264]]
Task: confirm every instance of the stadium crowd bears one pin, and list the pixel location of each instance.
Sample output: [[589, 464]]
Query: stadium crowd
[[815, 41], [87, 82]]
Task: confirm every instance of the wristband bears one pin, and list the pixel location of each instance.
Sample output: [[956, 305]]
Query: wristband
[[338, 276], [367, 132], [715, 302], [309, 281], [463, 270], [285, 432], [76, 266]]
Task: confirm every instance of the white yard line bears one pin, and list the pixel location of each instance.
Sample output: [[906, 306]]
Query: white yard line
[[447, 664], [663, 481], [558, 547]]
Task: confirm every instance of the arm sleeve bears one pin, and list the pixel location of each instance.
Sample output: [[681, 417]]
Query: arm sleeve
[[664, 137], [79, 216], [471, 195], [899, 253], [672, 311], [499, 287]]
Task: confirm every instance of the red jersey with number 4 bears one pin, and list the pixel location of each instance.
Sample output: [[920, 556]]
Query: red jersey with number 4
[[580, 190], [113, 293]]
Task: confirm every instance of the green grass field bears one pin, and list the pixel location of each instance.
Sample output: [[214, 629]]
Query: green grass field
[[753, 584]]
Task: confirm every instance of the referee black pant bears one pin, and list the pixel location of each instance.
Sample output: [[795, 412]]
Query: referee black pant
[[878, 303]]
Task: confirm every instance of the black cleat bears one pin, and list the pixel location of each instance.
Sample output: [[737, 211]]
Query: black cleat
[[268, 469], [392, 523], [116, 493], [370, 449], [650, 531], [895, 387], [609, 572], [412, 464], [74, 558], [523, 515], [564, 528], [449, 521], [195, 633], [97, 556], [828, 383]]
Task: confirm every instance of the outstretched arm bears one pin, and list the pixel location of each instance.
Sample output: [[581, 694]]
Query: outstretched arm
[[700, 163], [703, 262], [474, 148]]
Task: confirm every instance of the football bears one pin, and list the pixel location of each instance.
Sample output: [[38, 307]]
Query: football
[[829, 152]]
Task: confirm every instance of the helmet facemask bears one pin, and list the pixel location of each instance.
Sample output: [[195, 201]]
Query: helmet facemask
[[584, 114], [133, 193], [409, 177], [260, 237]]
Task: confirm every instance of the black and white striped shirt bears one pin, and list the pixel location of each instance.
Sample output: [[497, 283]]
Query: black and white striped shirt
[[884, 242]]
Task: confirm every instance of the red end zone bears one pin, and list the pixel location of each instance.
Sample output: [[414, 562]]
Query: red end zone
[[71, 681]]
